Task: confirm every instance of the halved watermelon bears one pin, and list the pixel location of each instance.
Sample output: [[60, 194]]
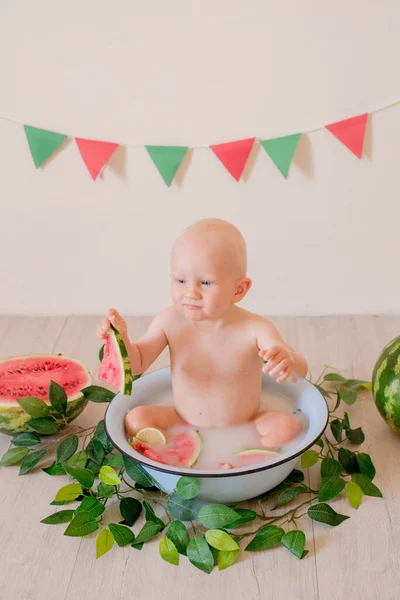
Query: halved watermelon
[[115, 368], [22, 376]]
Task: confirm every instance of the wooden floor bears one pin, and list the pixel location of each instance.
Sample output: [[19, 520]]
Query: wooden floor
[[360, 559]]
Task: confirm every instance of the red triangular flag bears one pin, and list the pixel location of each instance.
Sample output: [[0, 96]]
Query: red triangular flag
[[95, 154], [234, 155], [351, 133]]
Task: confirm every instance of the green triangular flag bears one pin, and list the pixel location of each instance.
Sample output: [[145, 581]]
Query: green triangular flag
[[167, 160], [42, 143], [281, 150]]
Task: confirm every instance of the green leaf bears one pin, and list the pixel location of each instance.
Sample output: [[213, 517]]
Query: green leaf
[[337, 404], [216, 515], [347, 395], [325, 514], [67, 448], [319, 443], [309, 458], [58, 398], [220, 540], [168, 552], [54, 469], [178, 534], [30, 461], [82, 524], [43, 426], [355, 436], [83, 476], [226, 559], [188, 487], [184, 510], [78, 460], [148, 531], [356, 383], [337, 429], [130, 509], [101, 353], [137, 473], [96, 393], [109, 476], [62, 516], [151, 515], [137, 546], [295, 541], [346, 422], [330, 467], [245, 516], [330, 488], [96, 451], [68, 492], [288, 495], [348, 460], [105, 491], [13, 456], [104, 542], [366, 466], [35, 407], [93, 467], [334, 377], [91, 507], [366, 485], [200, 555], [354, 494], [122, 535], [26, 440], [267, 537], [115, 461], [295, 476], [100, 434]]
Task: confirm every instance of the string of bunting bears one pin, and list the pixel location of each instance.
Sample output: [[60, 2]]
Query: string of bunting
[[167, 159]]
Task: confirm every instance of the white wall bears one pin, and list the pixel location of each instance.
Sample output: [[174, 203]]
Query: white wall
[[181, 72]]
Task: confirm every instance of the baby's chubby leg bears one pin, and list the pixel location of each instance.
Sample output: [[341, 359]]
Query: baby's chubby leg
[[161, 417], [276, 428]]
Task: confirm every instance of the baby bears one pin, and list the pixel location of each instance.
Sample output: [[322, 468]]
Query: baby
[[216, 348]]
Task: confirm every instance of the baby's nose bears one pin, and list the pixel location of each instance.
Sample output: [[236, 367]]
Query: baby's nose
[[193, 294]]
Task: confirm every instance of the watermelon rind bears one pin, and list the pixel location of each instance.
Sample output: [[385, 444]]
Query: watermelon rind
[[13, 418], [386, 384]]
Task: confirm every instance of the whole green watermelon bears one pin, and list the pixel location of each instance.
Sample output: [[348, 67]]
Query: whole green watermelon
[[386, 384]]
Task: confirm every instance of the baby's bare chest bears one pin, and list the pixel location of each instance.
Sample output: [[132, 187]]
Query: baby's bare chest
[[216, 354]]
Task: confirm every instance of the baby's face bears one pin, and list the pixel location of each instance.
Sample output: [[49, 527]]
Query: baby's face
[[202, 286]]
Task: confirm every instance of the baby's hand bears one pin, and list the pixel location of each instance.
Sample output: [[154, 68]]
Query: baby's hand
[[113, 317], [279, 362]]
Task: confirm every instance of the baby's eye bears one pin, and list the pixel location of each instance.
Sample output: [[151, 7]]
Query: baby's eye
[[206, 282], [180, 280]]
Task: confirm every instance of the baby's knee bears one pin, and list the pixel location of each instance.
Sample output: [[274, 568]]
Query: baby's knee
[[277, 429], [136, 419]]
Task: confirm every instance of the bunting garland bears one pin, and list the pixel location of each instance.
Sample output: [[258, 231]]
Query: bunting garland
[[233, 155]]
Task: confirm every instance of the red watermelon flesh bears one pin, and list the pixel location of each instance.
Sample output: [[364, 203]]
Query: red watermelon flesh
[[31, 375], [182, 450], [115, 368]]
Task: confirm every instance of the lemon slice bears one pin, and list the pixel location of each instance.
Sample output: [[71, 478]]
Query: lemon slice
[[151, 435]]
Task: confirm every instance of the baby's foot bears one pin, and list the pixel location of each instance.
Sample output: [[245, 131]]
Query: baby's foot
[[226, 466]]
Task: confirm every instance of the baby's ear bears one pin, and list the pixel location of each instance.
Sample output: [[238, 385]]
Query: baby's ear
[[242, 288]]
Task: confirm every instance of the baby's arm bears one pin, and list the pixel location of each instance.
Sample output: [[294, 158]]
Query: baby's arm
[[281, 357], [144, 352]]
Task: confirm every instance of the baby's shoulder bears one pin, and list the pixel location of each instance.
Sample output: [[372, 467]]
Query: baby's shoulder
[[250, 319]]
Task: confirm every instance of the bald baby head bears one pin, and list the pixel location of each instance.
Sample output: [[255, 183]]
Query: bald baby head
[[220, 239]]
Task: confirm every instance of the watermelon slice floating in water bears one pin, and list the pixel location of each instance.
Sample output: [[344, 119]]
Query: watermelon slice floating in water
[[115, 368], [22, 376], [386, 384], [183, 450], [255, 456]]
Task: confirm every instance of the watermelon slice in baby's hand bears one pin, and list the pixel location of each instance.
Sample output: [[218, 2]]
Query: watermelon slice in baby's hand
[[115, 367]]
